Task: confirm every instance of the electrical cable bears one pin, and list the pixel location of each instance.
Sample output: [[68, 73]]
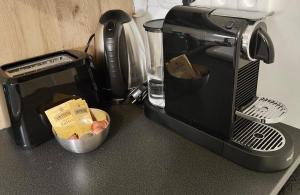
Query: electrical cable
[[137, 94], [89, 42]]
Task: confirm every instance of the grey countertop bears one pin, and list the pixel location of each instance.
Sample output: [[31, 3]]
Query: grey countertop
[[139, 157]]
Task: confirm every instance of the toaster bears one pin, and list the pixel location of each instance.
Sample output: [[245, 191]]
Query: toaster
[[221, 110], [33, 85]]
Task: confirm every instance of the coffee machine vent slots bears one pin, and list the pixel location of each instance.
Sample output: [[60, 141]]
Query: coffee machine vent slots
[[220, 109]]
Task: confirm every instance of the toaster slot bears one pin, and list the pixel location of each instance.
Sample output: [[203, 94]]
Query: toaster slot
[[38, 65], [263, 110]]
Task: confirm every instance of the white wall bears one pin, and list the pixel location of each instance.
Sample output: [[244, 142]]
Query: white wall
[[280, 80]]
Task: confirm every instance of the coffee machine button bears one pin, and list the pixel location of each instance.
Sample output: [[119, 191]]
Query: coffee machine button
[[229, 25]]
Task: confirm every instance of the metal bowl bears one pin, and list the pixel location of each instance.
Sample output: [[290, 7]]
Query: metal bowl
[[87, 142]]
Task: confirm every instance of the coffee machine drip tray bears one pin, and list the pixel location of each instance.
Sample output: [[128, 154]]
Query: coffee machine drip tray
[[257, 136], [253, 145], [264, 110]]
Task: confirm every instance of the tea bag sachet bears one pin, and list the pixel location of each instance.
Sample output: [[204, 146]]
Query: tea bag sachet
[[82, 115], [70, 118], [62, 120], [180, 67]]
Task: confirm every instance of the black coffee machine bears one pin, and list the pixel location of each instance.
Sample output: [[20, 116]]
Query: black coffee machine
[[220, 110]]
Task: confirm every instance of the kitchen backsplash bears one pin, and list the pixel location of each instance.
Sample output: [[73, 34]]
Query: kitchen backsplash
[[158, 8]]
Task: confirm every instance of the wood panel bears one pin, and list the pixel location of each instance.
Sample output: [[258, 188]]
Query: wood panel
[[33, 27]]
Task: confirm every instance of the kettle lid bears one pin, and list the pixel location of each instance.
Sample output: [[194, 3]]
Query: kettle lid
[[118, 15]]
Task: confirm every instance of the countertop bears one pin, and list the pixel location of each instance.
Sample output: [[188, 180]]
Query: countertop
[[139, 157]]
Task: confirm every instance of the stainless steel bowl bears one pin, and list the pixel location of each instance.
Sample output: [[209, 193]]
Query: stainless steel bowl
[[87, 142]]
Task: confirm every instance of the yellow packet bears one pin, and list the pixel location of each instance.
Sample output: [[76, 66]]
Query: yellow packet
[[60, 115], [65, 132], [100, 115], [180, 67], [82, 115], [82, 129], [81, 111], [62, 119], [69, 118]]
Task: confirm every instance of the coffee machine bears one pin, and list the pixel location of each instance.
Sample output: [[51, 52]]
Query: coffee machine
[[220, 109]]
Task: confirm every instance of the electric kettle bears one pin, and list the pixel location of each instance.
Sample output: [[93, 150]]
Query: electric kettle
[[119, 54]]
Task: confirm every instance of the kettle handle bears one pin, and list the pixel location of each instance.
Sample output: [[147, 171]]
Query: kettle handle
[[113, 36]]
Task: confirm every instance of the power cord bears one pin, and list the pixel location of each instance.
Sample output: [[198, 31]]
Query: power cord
[[88, 43], [137, 94]]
